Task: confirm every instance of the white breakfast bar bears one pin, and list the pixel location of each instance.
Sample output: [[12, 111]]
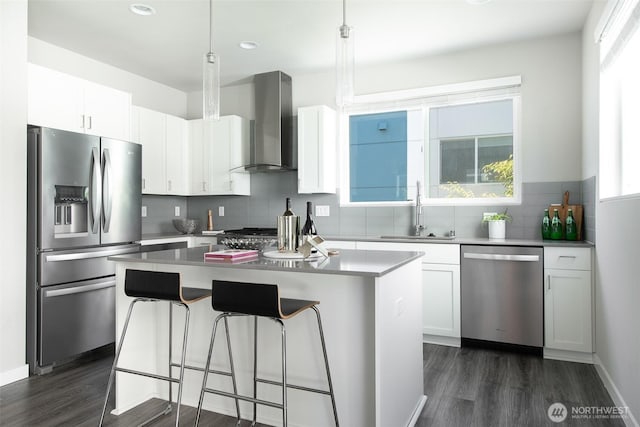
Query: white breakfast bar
[[371, 306]]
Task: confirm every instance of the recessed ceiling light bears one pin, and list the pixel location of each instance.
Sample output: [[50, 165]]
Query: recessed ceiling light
[[247, 44], [142, 9], [475, 2]]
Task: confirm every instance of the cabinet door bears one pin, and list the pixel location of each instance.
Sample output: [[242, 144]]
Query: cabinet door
[[316, 150], [107, 111], [567, 310], [441, 300], [152, 137], [54, 99], [221, 156], [197, 159], [175, 154]]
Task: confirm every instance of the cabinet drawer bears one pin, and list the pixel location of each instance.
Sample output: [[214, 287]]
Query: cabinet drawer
[[434, 253], [567, 258]]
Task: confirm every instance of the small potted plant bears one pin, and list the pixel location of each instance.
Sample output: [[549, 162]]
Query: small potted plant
[[497, 224]]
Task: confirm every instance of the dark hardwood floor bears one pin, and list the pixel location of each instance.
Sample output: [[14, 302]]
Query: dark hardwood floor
[[465, 387]]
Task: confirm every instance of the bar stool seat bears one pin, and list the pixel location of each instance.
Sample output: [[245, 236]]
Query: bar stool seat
[[260, 300], [156, 286]]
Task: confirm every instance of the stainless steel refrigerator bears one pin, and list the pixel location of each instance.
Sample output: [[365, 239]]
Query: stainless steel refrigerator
[[84, 201]]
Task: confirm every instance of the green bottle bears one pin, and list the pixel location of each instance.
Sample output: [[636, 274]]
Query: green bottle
[[546, 225], [571, 228], [556, 226]]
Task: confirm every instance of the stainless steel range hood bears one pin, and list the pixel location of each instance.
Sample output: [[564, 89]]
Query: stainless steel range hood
[[273, 147]]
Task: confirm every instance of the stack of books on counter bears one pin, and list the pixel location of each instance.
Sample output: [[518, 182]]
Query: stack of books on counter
[[231, 255]]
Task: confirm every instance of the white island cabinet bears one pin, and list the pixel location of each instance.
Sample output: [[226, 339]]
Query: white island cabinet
[[371, 310], [61, 101], [568, 321]]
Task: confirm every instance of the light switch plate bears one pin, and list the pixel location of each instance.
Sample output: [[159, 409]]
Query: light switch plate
[[220, 210], [144, 211], [176, 211], [322, 210]]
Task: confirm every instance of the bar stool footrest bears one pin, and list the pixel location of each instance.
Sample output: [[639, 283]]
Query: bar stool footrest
[[245, 398], [147, 374], [294, 386]]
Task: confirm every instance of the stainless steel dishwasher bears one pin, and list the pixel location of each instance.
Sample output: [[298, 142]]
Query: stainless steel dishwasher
[[502, 296]]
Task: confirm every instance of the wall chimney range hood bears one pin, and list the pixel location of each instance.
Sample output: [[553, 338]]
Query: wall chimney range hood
[[273, 147]]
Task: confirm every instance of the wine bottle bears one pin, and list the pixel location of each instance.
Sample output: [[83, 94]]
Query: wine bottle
[[556, 226], [546, 225], [571, 228], [288, 211], [309, 227]]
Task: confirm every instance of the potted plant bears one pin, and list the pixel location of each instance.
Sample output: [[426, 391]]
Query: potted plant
[[497, 224]]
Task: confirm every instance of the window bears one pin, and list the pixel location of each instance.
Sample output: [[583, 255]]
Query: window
[[460, 147], [620, 100]]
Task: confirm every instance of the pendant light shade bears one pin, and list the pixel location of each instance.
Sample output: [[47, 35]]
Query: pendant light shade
[[211, 86], [345, 62], [211, 77]]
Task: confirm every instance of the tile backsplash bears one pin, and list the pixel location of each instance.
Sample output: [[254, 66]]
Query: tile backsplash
[[269, 191]]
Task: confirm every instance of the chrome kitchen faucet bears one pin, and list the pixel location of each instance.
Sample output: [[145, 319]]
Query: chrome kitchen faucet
[[418, 227]]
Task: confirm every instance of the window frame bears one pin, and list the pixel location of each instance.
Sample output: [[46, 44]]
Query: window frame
[[425, 98]]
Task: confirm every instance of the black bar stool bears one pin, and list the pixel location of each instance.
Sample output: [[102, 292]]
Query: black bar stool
[[261, 300], [156, 286]]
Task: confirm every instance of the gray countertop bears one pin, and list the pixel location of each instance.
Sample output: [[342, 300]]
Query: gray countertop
[[457, 240], [347, 262]]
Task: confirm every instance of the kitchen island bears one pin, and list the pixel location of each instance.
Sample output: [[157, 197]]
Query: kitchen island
[[371, 309]]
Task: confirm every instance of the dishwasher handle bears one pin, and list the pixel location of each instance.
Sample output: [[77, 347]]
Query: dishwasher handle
[[502, 257]]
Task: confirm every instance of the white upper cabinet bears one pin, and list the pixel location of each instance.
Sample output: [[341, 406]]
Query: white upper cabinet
[[61, 101], [164, 143], [316, 149], [217, 156]]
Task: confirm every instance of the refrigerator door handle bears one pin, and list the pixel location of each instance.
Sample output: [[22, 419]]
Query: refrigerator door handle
[[95, 195], [107, 192], [88, 255], [79, 289]]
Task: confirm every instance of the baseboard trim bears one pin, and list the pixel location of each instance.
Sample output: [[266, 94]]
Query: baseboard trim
[[630, 421], [568, 356], [417, 412], [440, 340], [14, 375]]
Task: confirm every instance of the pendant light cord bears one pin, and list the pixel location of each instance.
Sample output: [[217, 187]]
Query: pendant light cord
[[344, 28], [210, 26]]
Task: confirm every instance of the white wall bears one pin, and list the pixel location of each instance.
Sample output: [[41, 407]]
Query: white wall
[[145, 93], [551, 94], [13, 175], [617, 289]]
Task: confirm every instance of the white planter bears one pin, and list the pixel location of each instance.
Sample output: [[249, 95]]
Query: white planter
[[497, 229]]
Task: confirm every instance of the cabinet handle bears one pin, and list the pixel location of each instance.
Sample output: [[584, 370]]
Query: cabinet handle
[[169, 185], [89, 122], [144, 184], [548, 282], [81, 121], [204, 186]]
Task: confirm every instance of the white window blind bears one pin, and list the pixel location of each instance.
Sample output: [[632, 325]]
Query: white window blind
[[620, 99]]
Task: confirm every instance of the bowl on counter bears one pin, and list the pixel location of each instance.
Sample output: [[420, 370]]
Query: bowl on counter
[[187, 226]]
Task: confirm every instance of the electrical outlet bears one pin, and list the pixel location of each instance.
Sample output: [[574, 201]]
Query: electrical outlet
[[322, 210], [176, 211], [220, 210], [144, 211]]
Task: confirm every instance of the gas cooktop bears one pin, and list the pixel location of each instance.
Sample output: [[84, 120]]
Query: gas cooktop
[[252, 231]]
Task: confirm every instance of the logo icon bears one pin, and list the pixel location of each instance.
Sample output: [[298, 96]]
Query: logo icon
[[557, 412]]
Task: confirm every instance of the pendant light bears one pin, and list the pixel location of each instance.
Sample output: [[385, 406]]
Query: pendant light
[[345, 61], [211, 77]]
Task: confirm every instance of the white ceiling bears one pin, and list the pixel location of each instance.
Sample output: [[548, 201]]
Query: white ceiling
[[295, 36]]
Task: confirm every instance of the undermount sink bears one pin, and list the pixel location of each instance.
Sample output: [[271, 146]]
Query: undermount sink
[[421, 237]]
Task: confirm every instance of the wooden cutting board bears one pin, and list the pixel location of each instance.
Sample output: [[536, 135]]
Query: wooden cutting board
[[564, 208]]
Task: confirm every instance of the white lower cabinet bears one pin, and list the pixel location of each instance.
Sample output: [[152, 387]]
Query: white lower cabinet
[[440, 288], [568, 310]]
